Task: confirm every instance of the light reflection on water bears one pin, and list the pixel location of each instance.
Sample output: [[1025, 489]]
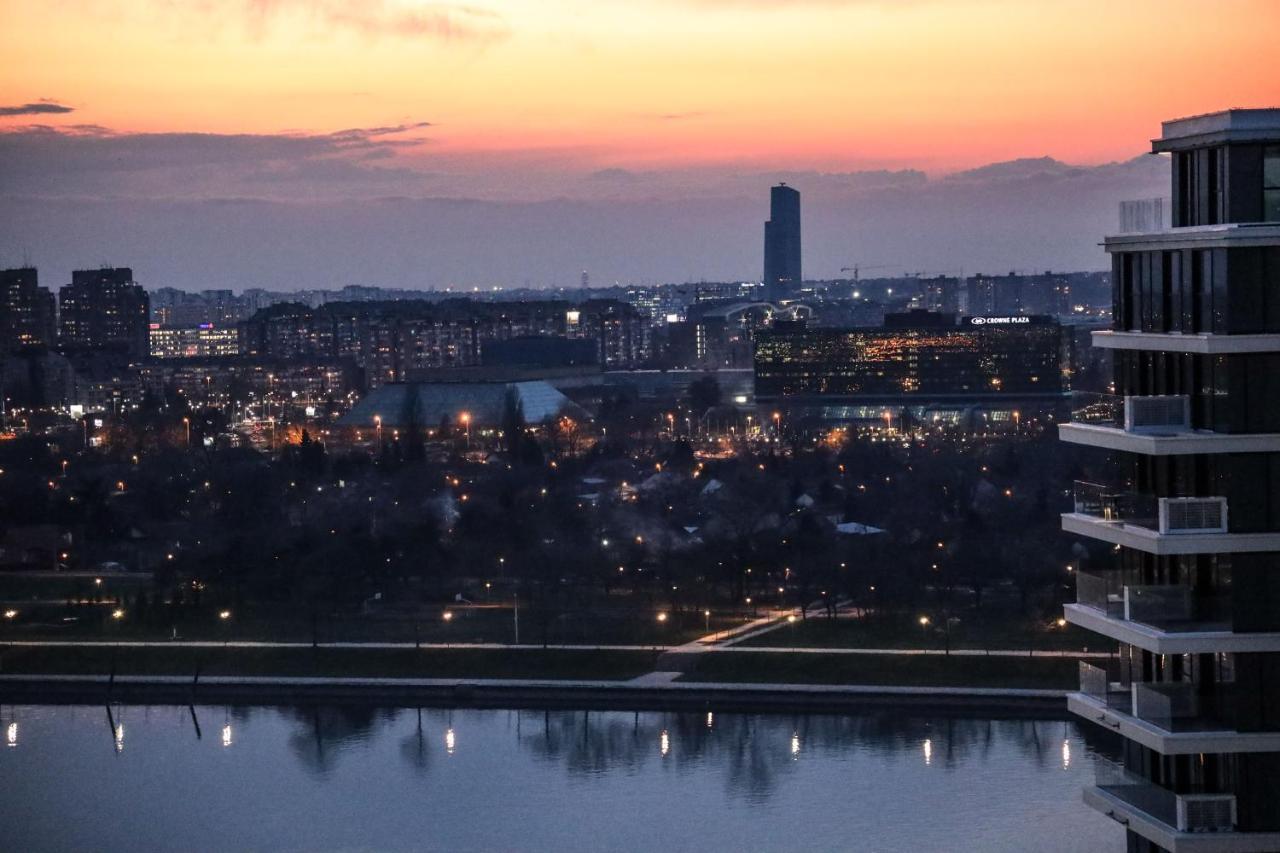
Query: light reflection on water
[[367, 778]]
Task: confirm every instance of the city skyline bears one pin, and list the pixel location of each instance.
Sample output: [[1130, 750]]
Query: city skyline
[[386, 143]]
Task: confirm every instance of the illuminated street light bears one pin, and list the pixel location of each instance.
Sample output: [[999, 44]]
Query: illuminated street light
[[224, 615], [117, 614], [10, 614], [662, 617], [447, 616]]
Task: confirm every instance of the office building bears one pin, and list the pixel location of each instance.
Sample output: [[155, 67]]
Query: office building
[[26, 311], [203, 341], [1183, 567], [105, 308], [782, 242], [914, 355]]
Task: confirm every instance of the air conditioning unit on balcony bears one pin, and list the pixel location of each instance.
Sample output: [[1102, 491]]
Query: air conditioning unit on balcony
[[1157, 414], [1206, 812], [1193, 515]]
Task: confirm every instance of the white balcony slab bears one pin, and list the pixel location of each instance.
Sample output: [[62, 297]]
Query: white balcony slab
[[1154, 542], [1168, 642], [1228, 235], [1168, 742], [1166, 836], [1206, 344], [1174, 444]]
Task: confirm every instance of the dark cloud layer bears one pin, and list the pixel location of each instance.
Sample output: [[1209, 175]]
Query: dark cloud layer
[[377, 205], [35, 109]]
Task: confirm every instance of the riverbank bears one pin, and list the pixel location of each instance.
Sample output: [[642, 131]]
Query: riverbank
[[528, 693], [614, 679]]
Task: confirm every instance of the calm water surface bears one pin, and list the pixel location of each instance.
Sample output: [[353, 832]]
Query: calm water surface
[[372, 779]]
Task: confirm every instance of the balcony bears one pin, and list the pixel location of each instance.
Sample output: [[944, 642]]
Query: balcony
[[1178, 525], [1147, 415], [1170, 718], [1169, 607], [1153, 426], [1193, 822], [1165, 618]]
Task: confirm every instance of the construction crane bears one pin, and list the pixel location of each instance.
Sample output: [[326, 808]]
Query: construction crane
[[928, 273], [856, 268]]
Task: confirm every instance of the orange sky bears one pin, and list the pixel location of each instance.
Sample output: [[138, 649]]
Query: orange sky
[[830, 84]]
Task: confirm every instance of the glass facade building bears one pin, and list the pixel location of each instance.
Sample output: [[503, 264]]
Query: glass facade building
[[912, 358], [1183, 565]]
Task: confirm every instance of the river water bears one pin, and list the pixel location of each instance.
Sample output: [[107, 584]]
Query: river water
[[343, 778]]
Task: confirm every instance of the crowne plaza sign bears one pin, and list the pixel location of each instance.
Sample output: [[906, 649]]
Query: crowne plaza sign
[[999, 321]]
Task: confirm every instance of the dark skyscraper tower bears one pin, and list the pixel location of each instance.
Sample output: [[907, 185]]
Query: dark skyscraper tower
[[782, 241]]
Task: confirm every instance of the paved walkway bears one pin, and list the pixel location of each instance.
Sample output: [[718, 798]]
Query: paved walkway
[[696, 647], [655, 679], [556, 684]]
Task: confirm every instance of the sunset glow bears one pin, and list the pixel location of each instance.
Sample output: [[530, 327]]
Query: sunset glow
[[931, 84]]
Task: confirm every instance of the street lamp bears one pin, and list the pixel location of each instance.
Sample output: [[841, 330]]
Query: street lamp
[[377, 424], [465, 417], [186, 422]]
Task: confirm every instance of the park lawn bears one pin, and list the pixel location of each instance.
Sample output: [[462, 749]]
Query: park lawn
[[903, 631], [327, 662], [465, 625], [886, 670]]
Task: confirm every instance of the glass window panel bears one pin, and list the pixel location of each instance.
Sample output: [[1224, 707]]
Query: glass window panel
[[1271, 205], [1271, 168]]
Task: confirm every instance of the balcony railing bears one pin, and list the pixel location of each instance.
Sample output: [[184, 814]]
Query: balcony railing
[[1169, 607], [1156, 604], [1143, 415], [1145, 215], [1100, 592], [1190, 812], [1111, 504], [1165, 703], [1088, 407], [1103, 685], [1163, 515]]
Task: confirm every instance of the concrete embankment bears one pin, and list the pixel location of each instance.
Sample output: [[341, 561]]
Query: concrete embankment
[[530, 693]]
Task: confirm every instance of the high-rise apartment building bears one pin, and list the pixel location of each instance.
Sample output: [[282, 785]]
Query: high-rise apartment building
[[1183, 566], [26, 311], [105, 308], [782, 241]]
